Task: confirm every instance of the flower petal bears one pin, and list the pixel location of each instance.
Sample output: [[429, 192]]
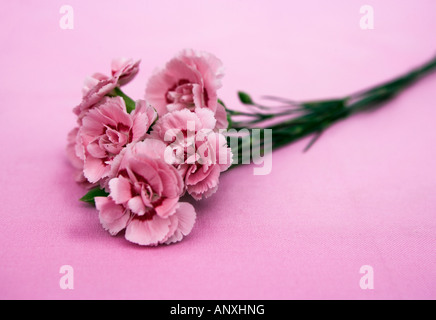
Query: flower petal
[[94, 169], [136, 205], [112, 216], [186, 216], [148, 232], [221, 117], [167, 208], [120, 189]]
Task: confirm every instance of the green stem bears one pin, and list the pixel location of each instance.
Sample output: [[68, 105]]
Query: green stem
[[317, 116], [130, 104]]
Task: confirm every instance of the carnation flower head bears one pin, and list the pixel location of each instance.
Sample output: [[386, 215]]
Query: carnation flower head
[[106, 130], [144, 197], [97, 86], [188, 81], [198, 152]]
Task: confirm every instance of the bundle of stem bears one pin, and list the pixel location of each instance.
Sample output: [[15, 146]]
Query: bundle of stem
[[312, 117]]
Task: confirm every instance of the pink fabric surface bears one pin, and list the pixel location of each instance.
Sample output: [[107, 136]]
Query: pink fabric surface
[[365, 194]]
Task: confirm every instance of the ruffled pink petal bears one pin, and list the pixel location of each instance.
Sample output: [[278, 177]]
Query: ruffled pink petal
[[171, 184], [146, 152], [207, 118], [156, 90], [221, 117], [174, 223], [80, 145], [140, 126], [148, 232], [114, 112], [95, 150], [167, 207], [145, 169], [92, 81], [116, 138], [109, 114], [112, 216], [204, 62], [117, 162], [81, 180], [94, 169], [179, 70], [149, 148], [118, 64], [176, 180], [207, 193], [71, 149], [186, 216], [136, 205], [177, 106], [196, 174], [94, 95], [201, 187], [172, 123], [211, 70], [120, 190], [161, 82], [93, 124], [225, 158], [125, 70], [198, 96], [141, 106], [223, 154]]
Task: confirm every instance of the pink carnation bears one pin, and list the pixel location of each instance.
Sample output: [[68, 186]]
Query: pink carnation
[[144, 197], [92, 81], [106, 130], [189, 81], [97, 86], [199, 153], [73, 149], [94, 95], [124, 69]]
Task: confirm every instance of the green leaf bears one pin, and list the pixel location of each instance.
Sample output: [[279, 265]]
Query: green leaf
[[130, 104], [245, 98], [229, 121], [222, 103], [155, 120], [91, 194]]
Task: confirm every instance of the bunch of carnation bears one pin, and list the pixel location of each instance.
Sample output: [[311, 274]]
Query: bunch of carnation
[[138, 158]]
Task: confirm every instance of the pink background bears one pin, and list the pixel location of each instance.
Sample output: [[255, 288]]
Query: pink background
[[365, 194]]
